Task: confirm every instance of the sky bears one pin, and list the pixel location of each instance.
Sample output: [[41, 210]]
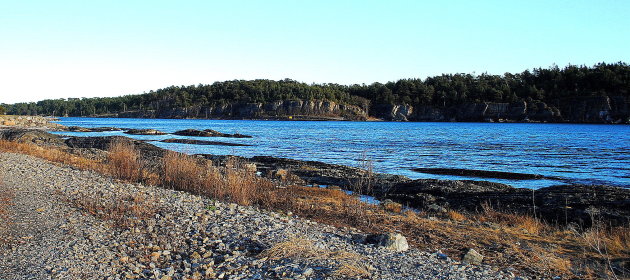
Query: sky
[[62, 49]]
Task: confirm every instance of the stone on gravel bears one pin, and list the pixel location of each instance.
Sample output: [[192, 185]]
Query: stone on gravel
[[182, 239], [472, 257], [390, 240]]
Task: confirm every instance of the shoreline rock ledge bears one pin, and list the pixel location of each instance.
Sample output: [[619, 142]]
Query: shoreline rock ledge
[[30, 122]]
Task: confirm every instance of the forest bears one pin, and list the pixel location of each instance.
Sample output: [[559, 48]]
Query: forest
[[551, 85]]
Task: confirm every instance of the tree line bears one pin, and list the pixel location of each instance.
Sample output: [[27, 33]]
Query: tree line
[[550, 85]]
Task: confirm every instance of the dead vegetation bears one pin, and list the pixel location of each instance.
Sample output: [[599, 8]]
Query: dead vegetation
[[505, 239], [124, 161], [123, 211], [52, 154], [347, 264], [232, 182]]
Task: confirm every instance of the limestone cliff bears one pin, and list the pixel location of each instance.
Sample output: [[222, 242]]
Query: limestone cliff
[[599, 109], [288, 109]]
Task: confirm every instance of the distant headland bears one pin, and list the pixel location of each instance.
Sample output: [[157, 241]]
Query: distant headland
[[578, 94]]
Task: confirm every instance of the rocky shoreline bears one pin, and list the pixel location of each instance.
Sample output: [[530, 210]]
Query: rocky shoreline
[[563, 204], [29, 122], [181, 236], [433, 223]]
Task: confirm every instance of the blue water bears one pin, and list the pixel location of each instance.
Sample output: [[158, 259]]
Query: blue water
[[575, 153]]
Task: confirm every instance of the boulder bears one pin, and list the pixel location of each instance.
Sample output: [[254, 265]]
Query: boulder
[[436, 208], [472, 257], [392, 241]]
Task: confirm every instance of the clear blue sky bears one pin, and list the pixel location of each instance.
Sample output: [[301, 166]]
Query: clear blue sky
[[55, 49]]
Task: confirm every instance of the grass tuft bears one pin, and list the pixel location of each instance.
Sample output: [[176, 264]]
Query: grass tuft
[[349, 265], [124, 161], [455, 216], [508, 239]]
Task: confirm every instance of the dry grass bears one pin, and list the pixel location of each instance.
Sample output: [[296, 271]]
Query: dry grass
[[351, 270], [607, 240], [233, 182], [392, 206], [606, 244], [181, 172], [52, 154], [506, 239], [297, 248], [523, 222], [455, 216], [124, 211], [124, 161], [349, 265]]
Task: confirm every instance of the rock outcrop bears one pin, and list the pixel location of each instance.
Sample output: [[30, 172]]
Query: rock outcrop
[[31, 136], [201, 142], [293, 109], [579, 204], [599, 109], [209, 133], [146, 150], [144, 132], [477, 112], [93, 129], [29, 122]]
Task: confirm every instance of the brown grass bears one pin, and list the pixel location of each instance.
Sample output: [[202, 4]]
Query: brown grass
[[523, 222], [52, 154], [124, 211], [124, 161], [506, 239], [181, 172], [233, 182], [392, 207], [349, 265], [455, 216]]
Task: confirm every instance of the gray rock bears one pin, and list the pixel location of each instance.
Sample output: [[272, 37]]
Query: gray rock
[[390, 240], [436, 208], [472, 257]]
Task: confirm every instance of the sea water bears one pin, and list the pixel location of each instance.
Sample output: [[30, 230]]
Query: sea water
[[570, 153]]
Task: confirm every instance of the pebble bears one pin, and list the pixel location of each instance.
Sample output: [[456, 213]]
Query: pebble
[[183, 239]]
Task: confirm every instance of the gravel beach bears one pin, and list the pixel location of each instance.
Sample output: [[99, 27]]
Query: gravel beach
[[64, 225]]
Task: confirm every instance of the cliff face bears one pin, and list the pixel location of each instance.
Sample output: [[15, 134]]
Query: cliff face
[[278, 109], [583, 110], [600, 109]]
